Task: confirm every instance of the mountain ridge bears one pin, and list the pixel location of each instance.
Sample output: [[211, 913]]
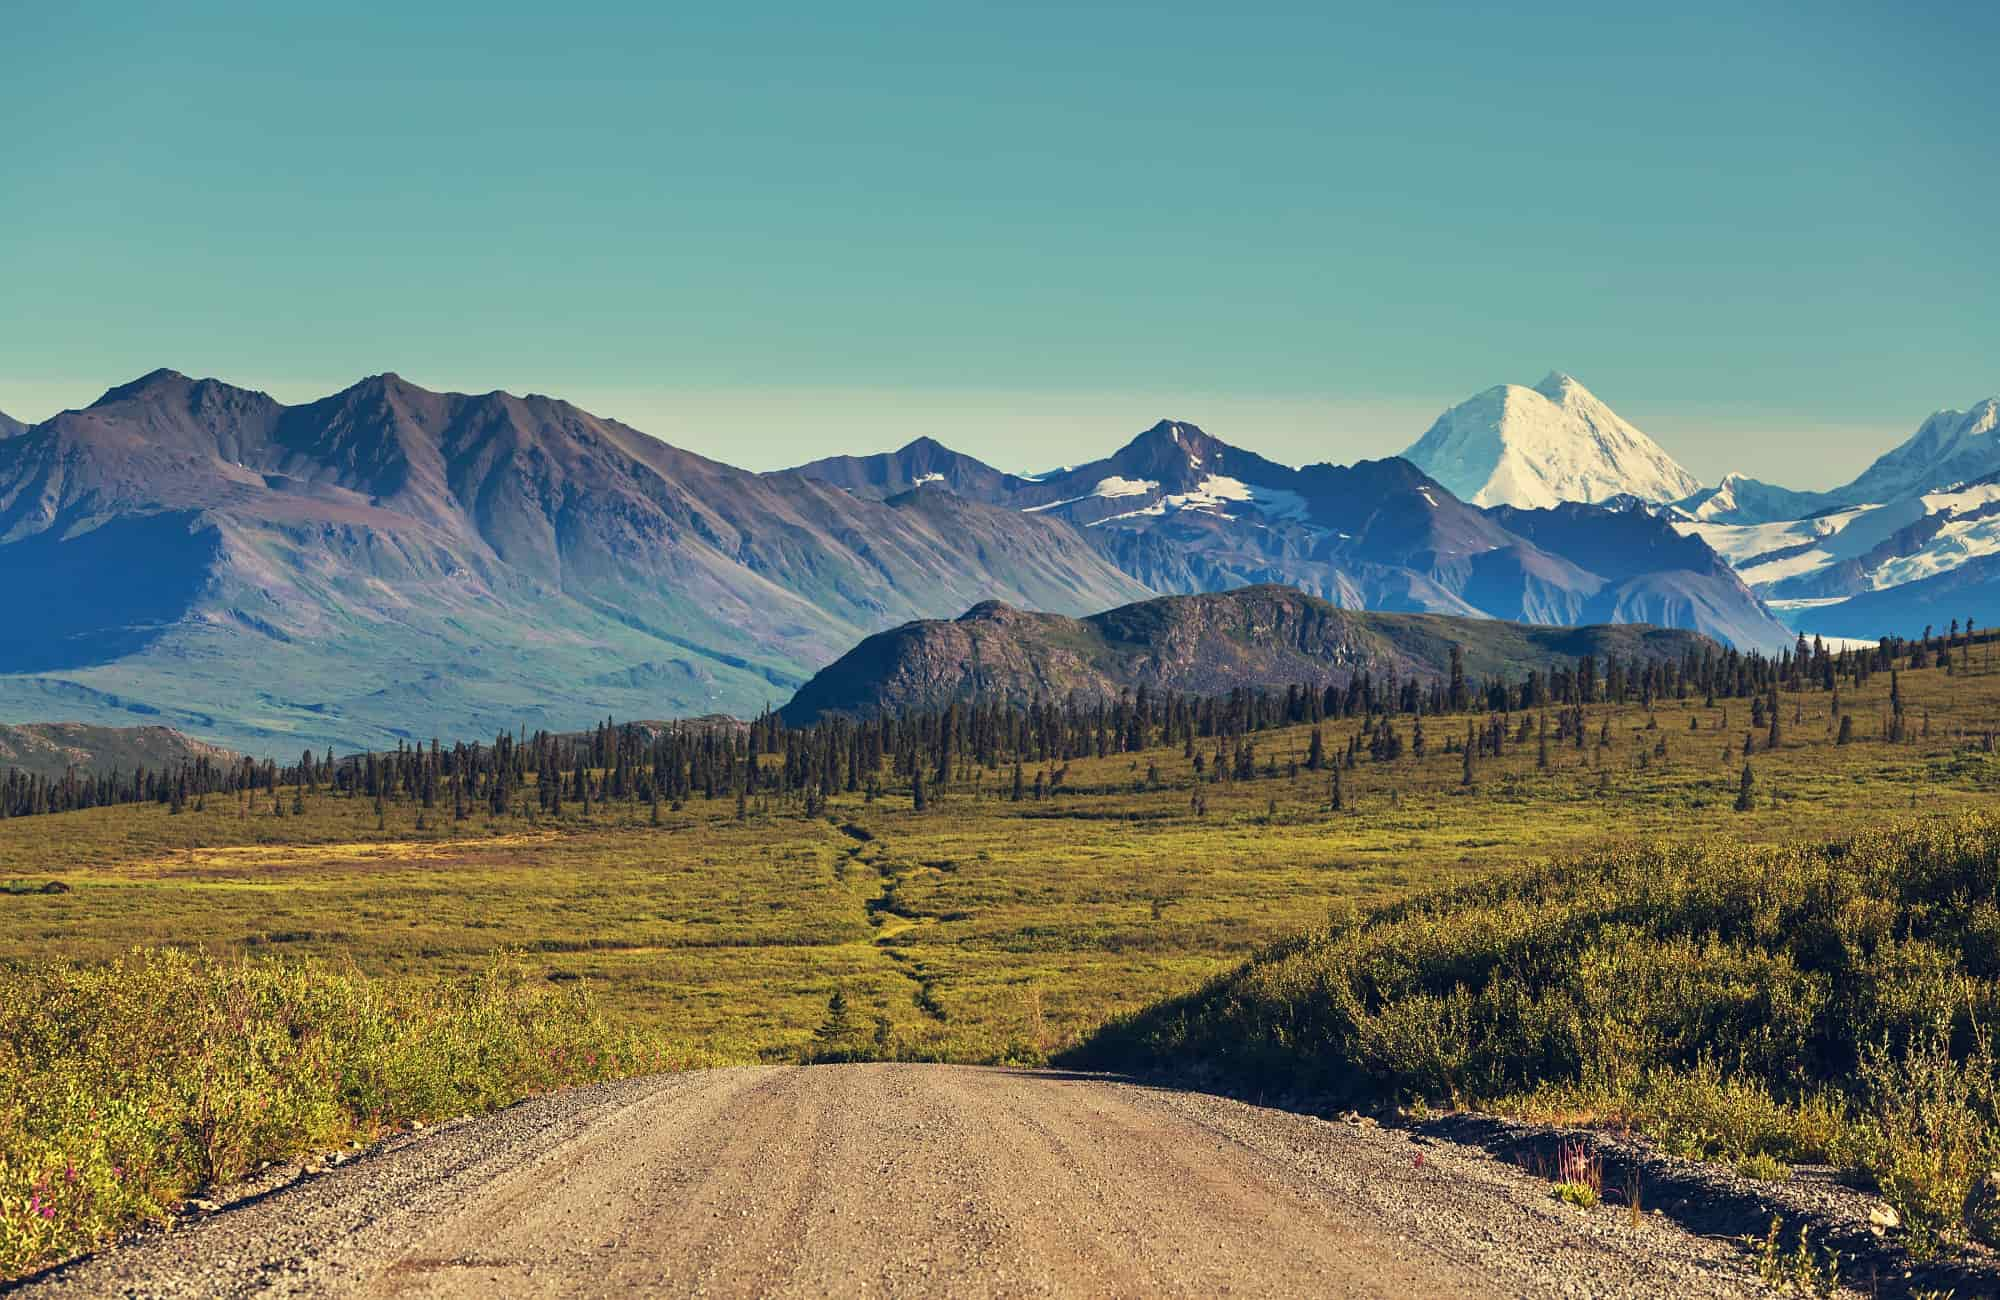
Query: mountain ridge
[[388, 562], [1203, 644], [1184, 512], [387, 555]]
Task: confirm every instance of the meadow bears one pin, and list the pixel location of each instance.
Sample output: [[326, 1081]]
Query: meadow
[[981, 928]]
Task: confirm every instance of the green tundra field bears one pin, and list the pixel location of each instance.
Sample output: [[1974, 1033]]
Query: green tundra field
[[982, 928]]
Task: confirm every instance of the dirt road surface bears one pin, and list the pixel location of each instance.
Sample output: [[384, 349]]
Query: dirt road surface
[[907, 1180]]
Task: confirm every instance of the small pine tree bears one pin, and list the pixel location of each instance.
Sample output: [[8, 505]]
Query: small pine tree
[[833, 1039], [1338, 795], [1746, 791], [1846, 736], [917, 800]]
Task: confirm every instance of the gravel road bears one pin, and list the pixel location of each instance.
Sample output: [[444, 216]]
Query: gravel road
[[906, 1180]]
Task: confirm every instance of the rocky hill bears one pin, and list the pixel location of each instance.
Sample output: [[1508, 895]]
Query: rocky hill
[[52, 748], [1204, 644]]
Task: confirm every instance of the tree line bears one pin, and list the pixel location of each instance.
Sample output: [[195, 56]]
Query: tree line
[[923, 748]]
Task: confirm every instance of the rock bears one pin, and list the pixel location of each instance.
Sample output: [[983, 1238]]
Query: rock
[[1982, 1209], [206, 1207], [1883, 1215]]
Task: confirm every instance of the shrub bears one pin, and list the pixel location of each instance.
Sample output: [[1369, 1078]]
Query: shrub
[[1741, 1003], [126, 1087]]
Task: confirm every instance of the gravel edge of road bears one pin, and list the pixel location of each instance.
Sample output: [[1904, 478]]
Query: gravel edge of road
[[1703, 1198]]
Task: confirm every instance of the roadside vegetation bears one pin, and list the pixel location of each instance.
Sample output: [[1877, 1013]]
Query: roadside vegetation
[[1752, 1004], [128, 1087], [980, 889]]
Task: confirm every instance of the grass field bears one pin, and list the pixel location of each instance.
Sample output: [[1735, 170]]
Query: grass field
[[981, 929]]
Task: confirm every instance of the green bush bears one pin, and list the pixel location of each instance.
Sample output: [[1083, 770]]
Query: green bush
[[1740, 1003], [126, 1087]]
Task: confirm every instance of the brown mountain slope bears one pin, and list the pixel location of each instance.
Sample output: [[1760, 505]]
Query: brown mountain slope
[[1205, 644], [52, 748], [392, 562]]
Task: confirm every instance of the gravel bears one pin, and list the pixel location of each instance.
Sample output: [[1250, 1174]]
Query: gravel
[[910, 1180]]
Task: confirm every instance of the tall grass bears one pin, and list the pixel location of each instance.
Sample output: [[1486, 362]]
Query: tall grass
[[1823, 1002], [126, 1087]]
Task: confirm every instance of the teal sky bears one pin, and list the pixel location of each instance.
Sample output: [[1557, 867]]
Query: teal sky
[[1764, 233]]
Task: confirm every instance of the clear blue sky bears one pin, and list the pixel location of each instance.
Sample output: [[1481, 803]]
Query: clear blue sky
[[1763, 232]]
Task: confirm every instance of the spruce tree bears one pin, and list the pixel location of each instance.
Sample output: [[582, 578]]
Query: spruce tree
[[1746, 792]]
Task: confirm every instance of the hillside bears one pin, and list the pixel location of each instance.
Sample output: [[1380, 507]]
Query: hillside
[[390, 562], [52, 748], [1811, 1003], [1206, 644]]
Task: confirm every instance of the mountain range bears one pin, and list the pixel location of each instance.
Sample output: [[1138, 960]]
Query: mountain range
[[1201, 645], [392, 563], [1184, 512], [1908, 542]]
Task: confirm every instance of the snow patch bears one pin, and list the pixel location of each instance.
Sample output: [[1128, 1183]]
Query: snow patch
[[1114, 486]]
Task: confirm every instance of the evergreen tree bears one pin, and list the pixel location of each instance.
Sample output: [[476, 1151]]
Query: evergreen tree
[[1746, 792]]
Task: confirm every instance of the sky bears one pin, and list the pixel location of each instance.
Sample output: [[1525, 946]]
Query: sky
[[1763, 233]]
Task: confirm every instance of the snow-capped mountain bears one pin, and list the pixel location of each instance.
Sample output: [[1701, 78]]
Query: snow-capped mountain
[[1740, 499], [1184, 512], [1950, 447], [1537, 447], [1831, 561]]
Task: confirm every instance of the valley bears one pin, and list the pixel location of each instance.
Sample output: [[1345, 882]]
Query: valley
[[982, 928]]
